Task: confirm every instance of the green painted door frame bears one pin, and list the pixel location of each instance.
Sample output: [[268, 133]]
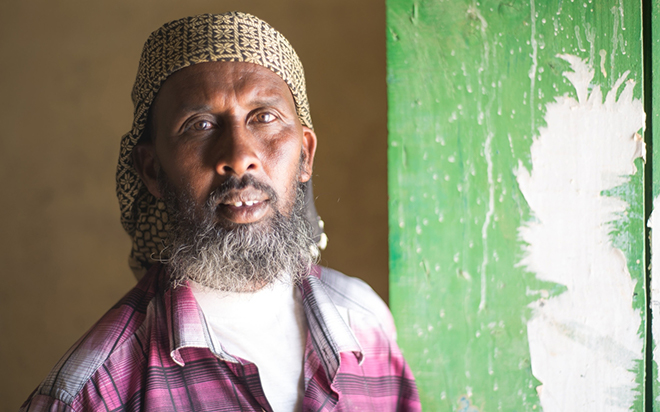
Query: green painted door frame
[[517, 208]]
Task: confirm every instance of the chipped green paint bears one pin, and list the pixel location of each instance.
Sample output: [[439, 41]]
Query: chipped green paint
[[654, 38], [468, 84]]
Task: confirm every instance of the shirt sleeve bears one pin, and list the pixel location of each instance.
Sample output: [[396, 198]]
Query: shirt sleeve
[[39, 403]]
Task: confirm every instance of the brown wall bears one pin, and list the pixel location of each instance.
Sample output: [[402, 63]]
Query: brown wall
[[67, 68]]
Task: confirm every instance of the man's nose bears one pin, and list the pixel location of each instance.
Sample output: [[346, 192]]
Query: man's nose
[[237, 153]]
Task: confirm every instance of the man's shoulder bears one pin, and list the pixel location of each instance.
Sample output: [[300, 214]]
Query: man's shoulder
[[381, 378], [357, 296], [108, 336]]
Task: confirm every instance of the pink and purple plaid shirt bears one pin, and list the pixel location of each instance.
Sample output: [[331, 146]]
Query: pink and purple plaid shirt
[[153, 351]]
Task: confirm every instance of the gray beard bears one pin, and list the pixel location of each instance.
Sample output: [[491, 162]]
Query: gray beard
[[236, 258]]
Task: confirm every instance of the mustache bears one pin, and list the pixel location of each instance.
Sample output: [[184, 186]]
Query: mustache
[[223, 192]]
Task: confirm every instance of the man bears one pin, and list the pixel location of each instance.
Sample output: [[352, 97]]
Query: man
[[214, 186]]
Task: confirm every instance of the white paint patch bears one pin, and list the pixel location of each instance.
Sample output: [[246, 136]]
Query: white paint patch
[[603, 55], [584, 342], [590, 34], [488, 154], [654, 224], [579, 40]]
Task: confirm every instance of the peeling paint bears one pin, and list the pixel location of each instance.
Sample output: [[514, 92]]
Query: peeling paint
[[532, 70], [603, 55], [488, 155], [583, 342], [579, 40], [590, 34], [654, 224], [464, 405]]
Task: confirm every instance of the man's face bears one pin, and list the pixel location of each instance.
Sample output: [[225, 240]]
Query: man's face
[[228, 154], [212, 122]]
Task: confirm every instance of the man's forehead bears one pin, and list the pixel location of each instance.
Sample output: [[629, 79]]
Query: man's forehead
[[235, 75], [212, 80]]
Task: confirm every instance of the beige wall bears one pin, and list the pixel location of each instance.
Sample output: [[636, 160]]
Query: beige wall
[[67, 68]]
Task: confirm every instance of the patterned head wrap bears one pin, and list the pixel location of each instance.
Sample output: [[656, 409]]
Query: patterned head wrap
[[231, 37]]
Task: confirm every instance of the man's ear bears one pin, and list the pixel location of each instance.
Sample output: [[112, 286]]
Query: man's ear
[[147, 166], [309, 149]]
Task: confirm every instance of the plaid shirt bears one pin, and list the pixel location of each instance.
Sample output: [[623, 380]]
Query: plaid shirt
[[154, 351]]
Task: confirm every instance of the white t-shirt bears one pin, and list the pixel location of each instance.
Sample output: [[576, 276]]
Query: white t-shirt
[[267, 328]]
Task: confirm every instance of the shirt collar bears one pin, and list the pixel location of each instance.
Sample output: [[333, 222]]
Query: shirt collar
[[329, 332], [188, 328]]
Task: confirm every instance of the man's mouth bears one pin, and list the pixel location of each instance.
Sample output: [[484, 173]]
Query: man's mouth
[[243, 206]]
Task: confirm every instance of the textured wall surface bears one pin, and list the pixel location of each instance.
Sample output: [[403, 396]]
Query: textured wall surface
[[67, 70], [517, 202]]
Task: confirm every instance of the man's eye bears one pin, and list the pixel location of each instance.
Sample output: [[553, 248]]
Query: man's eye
[[202, 125], [265, 117]]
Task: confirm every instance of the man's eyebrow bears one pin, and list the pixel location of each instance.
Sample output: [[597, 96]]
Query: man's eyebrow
[[267, 100], [194, 108]]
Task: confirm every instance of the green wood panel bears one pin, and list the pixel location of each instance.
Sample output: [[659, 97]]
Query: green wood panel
[[469, 84]]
